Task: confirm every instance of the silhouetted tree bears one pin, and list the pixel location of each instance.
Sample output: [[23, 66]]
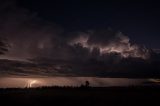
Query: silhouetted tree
[[87, 84]]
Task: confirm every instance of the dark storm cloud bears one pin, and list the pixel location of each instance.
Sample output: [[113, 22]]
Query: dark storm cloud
[[54, 51], [26, 33], [30, 36], [109, 41]]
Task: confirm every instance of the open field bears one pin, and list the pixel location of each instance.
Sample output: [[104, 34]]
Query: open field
[[111, 96]]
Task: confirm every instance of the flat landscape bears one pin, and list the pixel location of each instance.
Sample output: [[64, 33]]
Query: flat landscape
[[79, 96], [79, 53]]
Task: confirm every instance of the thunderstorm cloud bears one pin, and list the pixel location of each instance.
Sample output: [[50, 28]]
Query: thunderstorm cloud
[[51, 50]]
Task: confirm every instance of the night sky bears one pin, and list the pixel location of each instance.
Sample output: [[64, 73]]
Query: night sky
[[139, 20], [79, 38]]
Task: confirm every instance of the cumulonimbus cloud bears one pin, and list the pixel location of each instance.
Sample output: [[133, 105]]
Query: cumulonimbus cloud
[[53, 51], [31, 37], [109, 41]]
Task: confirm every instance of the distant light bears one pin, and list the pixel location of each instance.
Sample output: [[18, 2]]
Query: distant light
[[31, 83], [155, 80]]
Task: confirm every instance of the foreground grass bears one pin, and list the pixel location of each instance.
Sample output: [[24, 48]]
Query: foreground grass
[[79, 96]]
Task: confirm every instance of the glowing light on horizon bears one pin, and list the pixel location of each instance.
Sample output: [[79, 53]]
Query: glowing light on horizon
[[31, 83], [155, 80]]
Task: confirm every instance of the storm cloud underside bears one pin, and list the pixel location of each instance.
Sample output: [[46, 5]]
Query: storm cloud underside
[[32, 38]]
